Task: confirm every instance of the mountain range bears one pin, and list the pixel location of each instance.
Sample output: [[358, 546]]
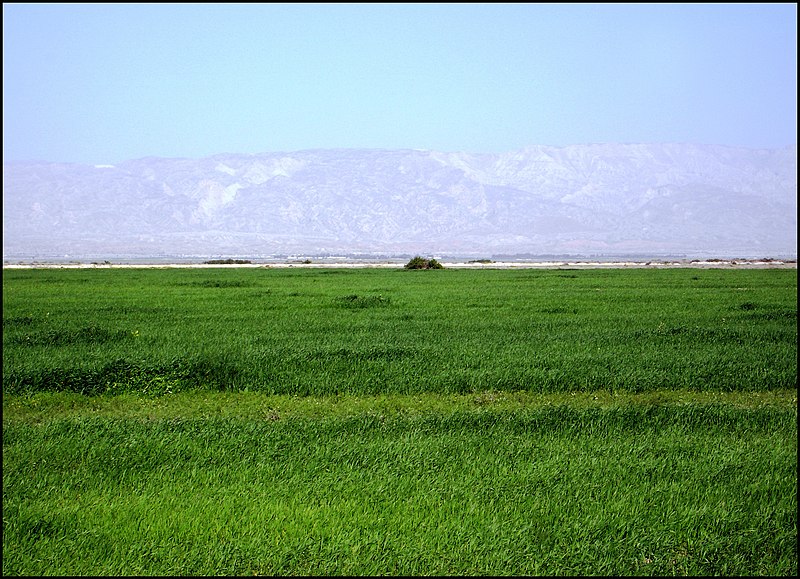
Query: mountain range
[[584, 200]]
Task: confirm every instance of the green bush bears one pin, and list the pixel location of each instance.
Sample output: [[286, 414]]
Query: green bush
[[418, 262]]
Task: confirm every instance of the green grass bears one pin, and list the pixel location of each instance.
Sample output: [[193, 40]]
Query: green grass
[[367, 332], [550, 490], [373, 422], [44, 407]]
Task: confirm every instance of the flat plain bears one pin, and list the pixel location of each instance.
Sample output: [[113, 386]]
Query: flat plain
[[384, 421]]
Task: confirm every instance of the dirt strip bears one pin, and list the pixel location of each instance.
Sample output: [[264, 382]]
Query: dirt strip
[[701, 264]]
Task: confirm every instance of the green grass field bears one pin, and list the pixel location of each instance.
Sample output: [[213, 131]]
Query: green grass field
[[323, 332], [334, 421]]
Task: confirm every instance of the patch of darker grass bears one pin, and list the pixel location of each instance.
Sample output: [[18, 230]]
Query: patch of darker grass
[[131, 309], [123, 375], [18, 321], [67, 337], [353, 301], [775, 314], [559, 310], [218, 283]]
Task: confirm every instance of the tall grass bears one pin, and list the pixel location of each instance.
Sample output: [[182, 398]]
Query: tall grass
[[552, 490], [321, 332], [374, 422]]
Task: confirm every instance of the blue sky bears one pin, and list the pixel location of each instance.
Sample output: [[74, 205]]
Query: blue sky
[[101, 83]]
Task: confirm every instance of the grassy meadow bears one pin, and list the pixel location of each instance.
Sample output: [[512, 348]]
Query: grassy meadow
[[373, 421]]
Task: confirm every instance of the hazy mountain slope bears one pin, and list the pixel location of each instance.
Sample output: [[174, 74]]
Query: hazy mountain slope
[[583, 199]]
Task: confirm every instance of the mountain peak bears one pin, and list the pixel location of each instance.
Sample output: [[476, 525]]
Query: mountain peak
[[677, 199]]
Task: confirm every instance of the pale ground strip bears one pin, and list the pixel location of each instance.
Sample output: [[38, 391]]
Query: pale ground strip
[[702, 264]]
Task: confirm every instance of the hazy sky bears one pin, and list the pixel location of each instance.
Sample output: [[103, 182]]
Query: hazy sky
[[101, 83]]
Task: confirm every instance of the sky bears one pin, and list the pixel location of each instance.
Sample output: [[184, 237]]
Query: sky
[[103, 83]]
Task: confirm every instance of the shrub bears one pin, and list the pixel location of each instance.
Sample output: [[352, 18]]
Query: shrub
[[418, 262]]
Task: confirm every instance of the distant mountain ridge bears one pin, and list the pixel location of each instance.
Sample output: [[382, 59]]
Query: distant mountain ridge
[[603, 199]]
